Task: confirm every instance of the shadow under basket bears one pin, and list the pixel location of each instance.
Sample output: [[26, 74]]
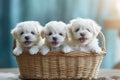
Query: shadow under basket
[[57, 65]]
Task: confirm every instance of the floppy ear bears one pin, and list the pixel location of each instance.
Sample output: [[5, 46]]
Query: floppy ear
[[39, 26], [43, 33], [13, 32], [68, 35], [69, 32], [96, 27]]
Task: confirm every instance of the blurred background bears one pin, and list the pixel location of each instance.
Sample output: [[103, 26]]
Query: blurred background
[[15, 11]]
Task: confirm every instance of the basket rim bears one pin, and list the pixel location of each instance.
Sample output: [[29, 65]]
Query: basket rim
[[60, 53], [74, 53]]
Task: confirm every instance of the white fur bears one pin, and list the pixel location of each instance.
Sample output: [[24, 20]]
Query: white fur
[[31, 30], [84, 33], [59, 31]]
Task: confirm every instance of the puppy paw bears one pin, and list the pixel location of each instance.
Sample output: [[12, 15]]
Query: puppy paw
[[67, 49], [96, 50], [17, 51], [44, 50], [34, 50]]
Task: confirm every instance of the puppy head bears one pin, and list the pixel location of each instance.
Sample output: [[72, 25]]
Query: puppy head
[[55, 33], [84, 30], [27, 33]]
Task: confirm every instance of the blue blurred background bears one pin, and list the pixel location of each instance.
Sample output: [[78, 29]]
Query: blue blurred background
[[15, 11]]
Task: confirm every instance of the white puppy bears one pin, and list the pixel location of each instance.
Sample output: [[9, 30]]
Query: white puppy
[[56, 37], [84, 33], [27, 36]]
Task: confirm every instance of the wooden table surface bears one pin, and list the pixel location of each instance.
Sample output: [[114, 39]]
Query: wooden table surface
[[102, 72]]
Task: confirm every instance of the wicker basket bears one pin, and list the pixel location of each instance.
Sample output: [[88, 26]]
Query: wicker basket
[[57, 65]]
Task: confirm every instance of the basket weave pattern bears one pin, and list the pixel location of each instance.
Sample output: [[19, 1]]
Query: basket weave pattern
[[57, 65]]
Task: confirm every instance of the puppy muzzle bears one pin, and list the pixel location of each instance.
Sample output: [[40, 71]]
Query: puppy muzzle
[[82, 39], [27, 42]]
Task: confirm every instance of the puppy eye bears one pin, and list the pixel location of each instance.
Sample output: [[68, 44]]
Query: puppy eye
[[61, 34], [88, 30], [33, 33], [77, 30], [21, 33], [50, 33]]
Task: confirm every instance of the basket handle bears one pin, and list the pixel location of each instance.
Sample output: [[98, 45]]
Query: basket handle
[[103, 41]]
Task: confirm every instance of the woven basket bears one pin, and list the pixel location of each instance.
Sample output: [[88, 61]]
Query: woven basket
[[57, 65]]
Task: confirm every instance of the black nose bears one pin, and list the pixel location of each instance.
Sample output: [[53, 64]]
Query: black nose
[[27, 37], [82, 34], [54, 38]]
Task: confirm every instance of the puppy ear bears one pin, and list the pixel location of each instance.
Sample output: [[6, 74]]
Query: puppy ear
[[68, 36], [38, 25], [13, 32], [43, 33], [96, 27], [69, 32]]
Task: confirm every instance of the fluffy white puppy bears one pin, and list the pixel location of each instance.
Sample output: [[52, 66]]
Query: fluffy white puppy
[[84, 33], [27, 36], [56, 37]]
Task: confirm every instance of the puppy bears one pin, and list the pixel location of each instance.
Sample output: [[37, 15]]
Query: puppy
[[84, 33], [56, 37], [27, 37]]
